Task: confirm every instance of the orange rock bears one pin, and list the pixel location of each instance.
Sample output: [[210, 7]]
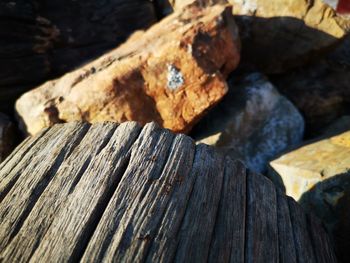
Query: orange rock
[[170, 74]]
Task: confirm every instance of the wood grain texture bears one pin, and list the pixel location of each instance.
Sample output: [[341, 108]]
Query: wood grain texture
[[227, 244], [303, 244], [285, 231], [320, 240], [59, 188], [33, 179], [129, 207], [202, 207], [86, 202], [122, 193], [261, 219]]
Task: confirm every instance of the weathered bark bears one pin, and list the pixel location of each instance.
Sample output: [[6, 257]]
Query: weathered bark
[[124, 194], [43, 39]]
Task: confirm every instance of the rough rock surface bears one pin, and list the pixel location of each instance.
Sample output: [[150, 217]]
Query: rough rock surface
[[318, 176], [281, 34], [41, 40], [170, 74], [7, 136], [253, 122], [320, 90]]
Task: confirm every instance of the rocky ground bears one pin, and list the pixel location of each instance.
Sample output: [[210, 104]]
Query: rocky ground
[[264, 81]]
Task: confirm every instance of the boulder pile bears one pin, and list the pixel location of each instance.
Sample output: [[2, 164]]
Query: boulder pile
[[263, 81]]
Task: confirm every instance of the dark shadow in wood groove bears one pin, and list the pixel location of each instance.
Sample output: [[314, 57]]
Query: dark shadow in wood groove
[[217, 211], [147, 189], [187, 204], [94, 220], [309, 232], [248, 173], [88, 160], [172, 193], [96, 216]]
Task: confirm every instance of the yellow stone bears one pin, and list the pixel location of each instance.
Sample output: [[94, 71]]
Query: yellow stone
[[303, 168]]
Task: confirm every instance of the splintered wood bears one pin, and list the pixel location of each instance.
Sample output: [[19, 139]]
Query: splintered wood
[[122, 193]]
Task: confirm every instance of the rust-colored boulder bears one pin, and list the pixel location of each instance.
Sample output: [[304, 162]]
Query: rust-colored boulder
[[170, 74]]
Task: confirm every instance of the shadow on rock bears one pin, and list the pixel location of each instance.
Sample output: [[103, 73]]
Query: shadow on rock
[[330, 201], [274, 45]]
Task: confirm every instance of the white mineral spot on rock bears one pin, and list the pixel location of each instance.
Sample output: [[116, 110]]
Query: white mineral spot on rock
[[189, 49], [247, 6], [175, 78]]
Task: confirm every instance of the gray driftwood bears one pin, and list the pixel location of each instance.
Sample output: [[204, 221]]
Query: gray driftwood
[[123, 193]]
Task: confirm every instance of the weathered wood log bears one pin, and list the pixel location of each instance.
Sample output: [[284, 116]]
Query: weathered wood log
[[43, 39], [130, 194]]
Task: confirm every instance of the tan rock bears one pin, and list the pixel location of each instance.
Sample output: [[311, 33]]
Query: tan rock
[[281, 34], [317, 175], [170, 74], [303, 168]]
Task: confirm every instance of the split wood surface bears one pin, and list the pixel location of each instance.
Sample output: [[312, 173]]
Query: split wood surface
[[122, 193]]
